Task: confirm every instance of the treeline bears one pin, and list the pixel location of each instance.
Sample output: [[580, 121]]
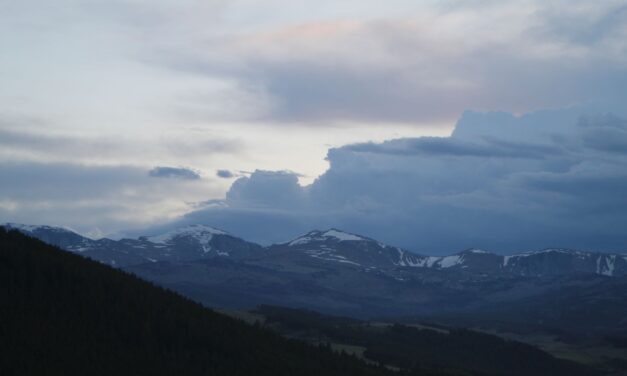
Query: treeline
[[63, 314], [419, 349]]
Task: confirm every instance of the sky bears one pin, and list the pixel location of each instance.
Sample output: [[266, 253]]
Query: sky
[[432, 125]]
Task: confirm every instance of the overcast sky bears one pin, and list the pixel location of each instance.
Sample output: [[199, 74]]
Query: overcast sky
[[116, 115]]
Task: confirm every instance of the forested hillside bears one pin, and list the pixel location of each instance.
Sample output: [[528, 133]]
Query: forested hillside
[[424, 348]]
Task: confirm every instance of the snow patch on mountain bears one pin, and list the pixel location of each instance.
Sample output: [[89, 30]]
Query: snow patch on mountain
[[32, 228], [203, 234], [327, 235], [222, 253], [301, 240], [475, 250], [449, 261], [606, 264], [22, 227], [327, 255], [342, 236], [554, 250], [506, 260]]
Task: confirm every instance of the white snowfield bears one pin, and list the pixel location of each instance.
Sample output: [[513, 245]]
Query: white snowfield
[[33, 228], [21, 227], [342, 236], [326, 235], [202, 233], [475, 250]]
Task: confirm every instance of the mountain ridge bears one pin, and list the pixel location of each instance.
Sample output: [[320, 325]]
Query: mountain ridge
[[332, 245]]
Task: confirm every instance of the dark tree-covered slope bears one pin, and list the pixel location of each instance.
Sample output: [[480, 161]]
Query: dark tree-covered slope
[[63, 314], [426, 348]]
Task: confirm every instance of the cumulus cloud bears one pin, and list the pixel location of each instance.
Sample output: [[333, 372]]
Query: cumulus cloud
[[266, 189], [174, 172], [501, 182]]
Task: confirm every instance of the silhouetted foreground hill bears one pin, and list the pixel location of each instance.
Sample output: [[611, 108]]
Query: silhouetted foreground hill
[[63, 314]]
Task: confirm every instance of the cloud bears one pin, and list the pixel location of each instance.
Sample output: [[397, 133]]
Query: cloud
[[501, 182], [583, 23], [426, 66], [225, 174], [266, 189], [161, 88], [610, 135], [174, 172], [60, 147], [443, 146], [91, 197]]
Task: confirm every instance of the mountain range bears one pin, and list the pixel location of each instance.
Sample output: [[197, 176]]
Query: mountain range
[[337, 272], [333, 246]]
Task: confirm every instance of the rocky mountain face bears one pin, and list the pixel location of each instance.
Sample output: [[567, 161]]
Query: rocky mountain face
[[338, 272]]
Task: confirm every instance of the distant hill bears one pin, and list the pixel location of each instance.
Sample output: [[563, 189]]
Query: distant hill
[[63, 314]]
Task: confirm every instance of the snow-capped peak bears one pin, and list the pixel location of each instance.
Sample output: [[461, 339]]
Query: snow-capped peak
[[201, 233], [556, 250], [341, 235], [333, 234], [32, 228], [475, 250], [21, 227]]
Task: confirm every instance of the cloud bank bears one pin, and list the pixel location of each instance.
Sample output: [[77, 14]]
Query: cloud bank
[[425, 65], [501, 182]]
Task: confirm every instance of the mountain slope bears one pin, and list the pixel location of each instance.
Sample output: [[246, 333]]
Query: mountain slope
[[63, 314]]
